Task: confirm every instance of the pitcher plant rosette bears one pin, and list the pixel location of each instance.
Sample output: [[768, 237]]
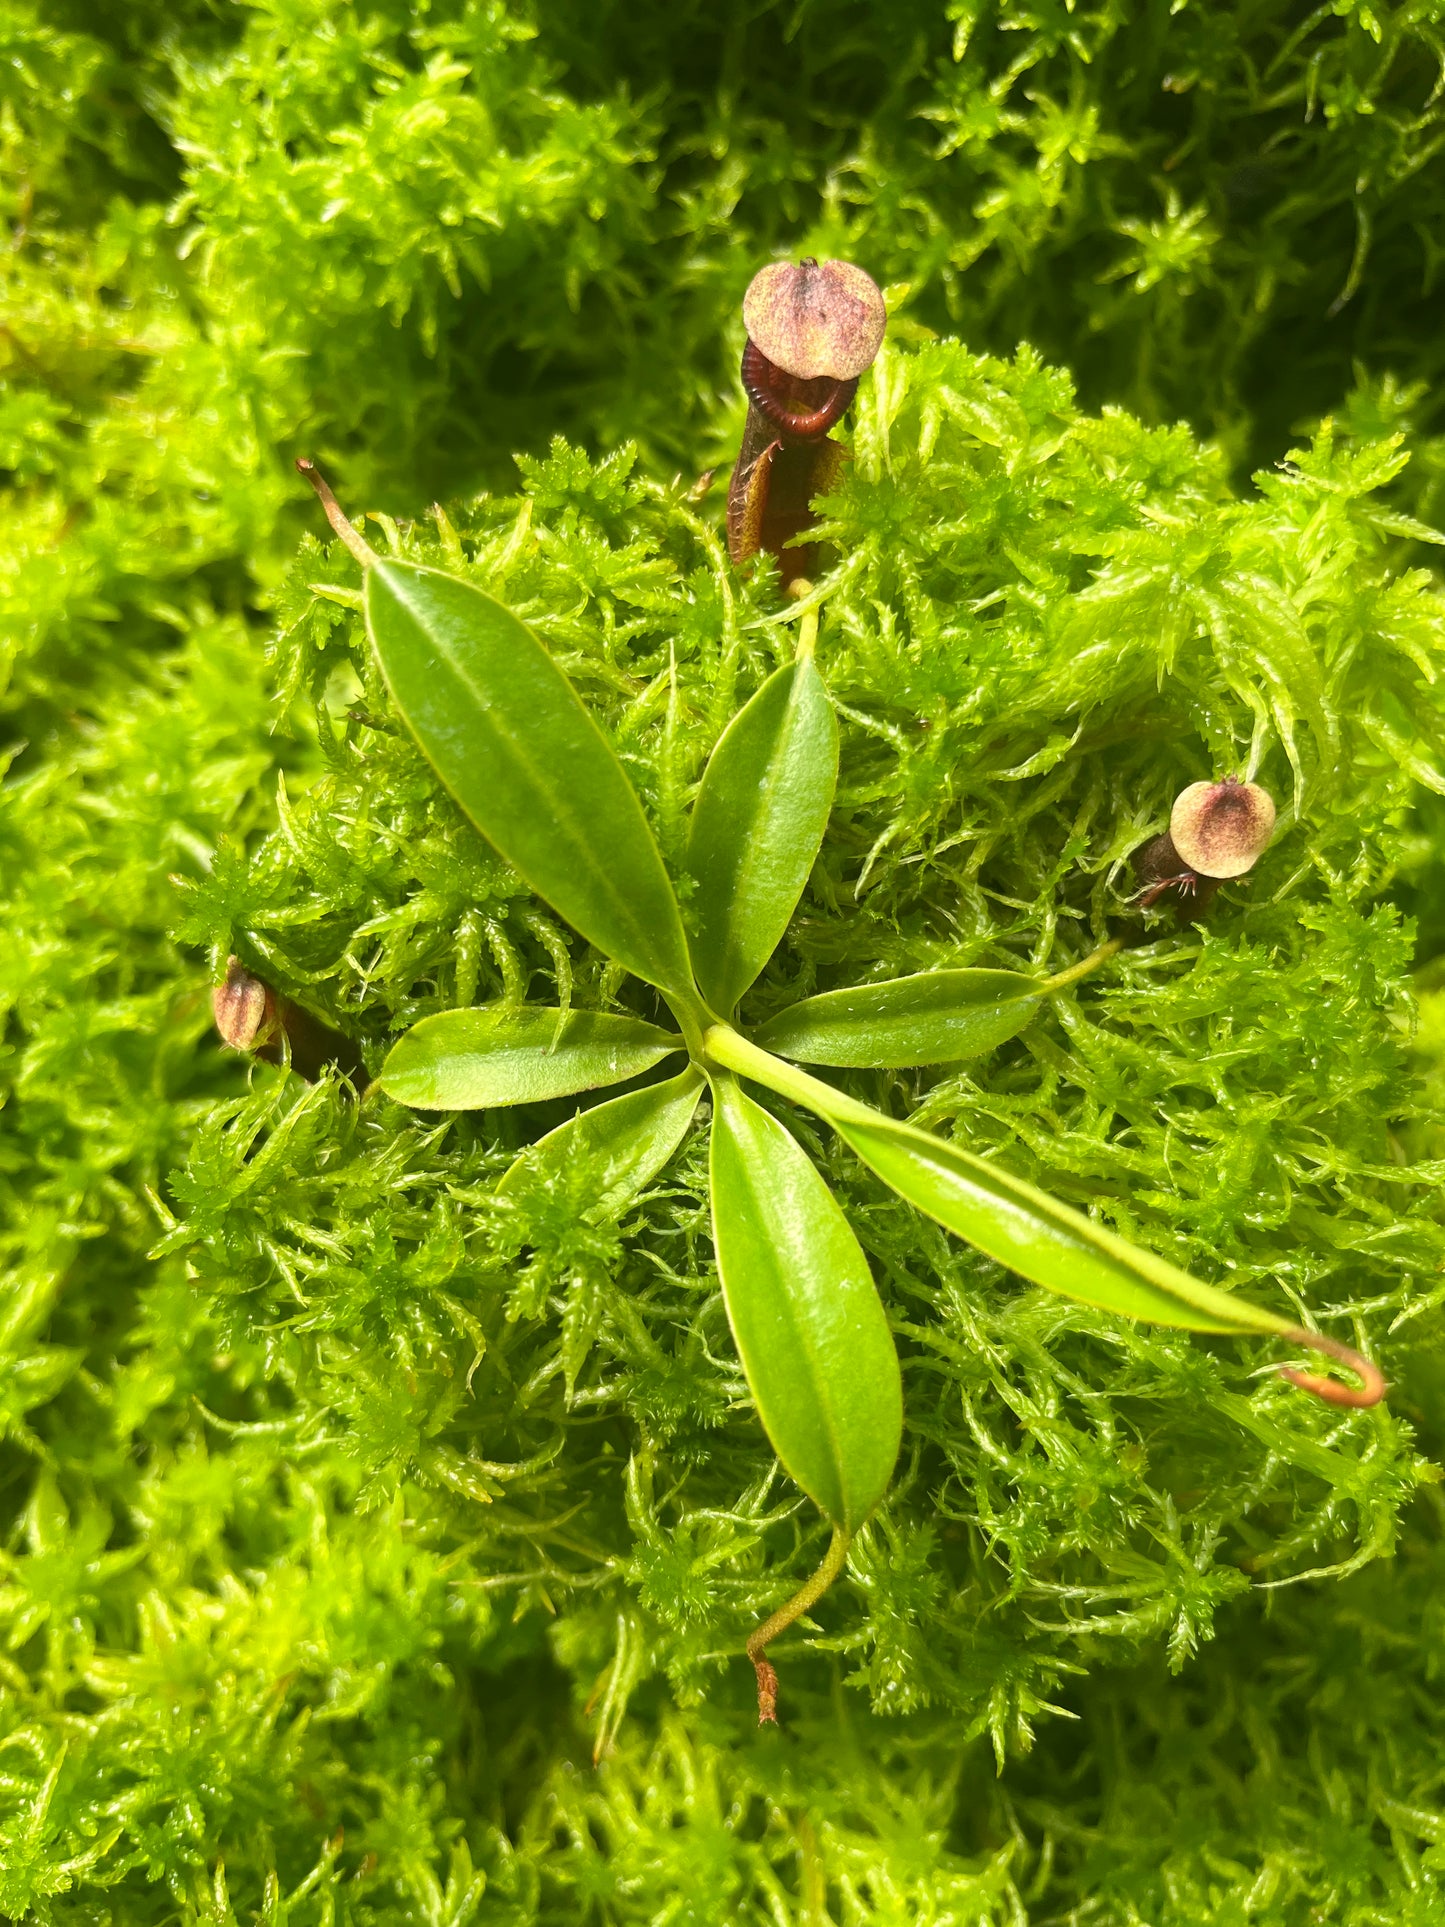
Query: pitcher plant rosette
[[516, 748]]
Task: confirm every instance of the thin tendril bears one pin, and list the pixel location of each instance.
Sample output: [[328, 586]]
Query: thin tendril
[[1370, 1391], [364, 554], [808, 1594]]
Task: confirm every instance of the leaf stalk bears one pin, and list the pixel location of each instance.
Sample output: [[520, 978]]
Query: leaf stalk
[[727, 1047]]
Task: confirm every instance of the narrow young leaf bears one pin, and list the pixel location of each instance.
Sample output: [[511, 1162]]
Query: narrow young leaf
[[1010, 1219], [623, 1144], [757, 825], [473, 1060], [506, 733], [936, 1017], [804, 1313]]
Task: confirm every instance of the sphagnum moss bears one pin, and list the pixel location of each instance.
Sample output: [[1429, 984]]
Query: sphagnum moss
[[565, 1433], [270, 1652], [1058, 1489], [512, 744]]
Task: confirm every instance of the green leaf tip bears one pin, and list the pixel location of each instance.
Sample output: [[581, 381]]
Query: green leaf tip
[[757, 826], [472, 1060], [512, 742], [622, 1144], [935, 1017], [804, 1311]]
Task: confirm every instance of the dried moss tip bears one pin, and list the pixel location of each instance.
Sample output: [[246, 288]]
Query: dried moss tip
[[816, 318], [244, 1008], [1222, 829]]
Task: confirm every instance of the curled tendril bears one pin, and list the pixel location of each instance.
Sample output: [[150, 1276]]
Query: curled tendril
[[1369, 1392]]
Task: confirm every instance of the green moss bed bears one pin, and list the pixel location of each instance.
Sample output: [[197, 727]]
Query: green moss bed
[[374, 1550]]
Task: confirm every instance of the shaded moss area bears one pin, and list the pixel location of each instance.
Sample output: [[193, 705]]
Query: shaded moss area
[[349, 1513]]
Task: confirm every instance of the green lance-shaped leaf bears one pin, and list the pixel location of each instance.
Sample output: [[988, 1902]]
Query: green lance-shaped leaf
[[1013, 1221], [1042, 1239], [621, 1144], [756, 827], [936, 1017], [508, 736], [472, 1060], [804, 1313]]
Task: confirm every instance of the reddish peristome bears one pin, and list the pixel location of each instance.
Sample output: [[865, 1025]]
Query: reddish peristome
[[815, 318], [801, 411], [812, 330], [1222, 829]]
